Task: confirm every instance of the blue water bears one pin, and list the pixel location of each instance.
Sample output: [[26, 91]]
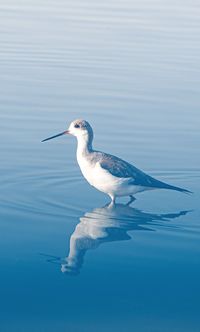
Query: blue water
[[68, 262]]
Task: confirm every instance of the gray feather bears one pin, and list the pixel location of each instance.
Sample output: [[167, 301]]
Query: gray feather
[[122, 169]]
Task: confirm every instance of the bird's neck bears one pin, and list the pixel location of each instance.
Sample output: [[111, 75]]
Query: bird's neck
[[84, 147]]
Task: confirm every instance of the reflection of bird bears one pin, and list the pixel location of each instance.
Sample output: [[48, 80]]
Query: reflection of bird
[[110, 223], [108, 173]]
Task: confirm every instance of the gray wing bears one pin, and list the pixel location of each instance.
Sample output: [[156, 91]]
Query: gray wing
[[122, 169]]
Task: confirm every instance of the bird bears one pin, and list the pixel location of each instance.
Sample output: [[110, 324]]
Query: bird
[[107, 173]]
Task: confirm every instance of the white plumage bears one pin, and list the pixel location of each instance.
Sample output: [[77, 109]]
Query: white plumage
[[108, 173]]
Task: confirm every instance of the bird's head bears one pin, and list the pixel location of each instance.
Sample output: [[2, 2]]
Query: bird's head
[[79, 128]]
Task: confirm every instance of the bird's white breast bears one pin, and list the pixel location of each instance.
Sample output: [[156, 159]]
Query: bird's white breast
[[104, 180], [86, 169]]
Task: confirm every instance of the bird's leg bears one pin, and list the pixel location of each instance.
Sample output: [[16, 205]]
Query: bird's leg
[[113, 200], [132, 199]]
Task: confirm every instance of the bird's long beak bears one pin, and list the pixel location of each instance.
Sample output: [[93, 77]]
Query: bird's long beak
[[63, 133]]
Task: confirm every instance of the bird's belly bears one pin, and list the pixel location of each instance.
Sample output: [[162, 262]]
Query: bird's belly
[[95, 176], [106, 182]]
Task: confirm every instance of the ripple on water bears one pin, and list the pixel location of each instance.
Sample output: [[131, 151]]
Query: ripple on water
[[31, 193], [48, 192]]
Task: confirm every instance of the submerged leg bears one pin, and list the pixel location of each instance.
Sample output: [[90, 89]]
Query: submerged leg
[[113, 200], [132, 199]]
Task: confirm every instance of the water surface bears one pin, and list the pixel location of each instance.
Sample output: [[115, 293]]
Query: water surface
[[68, 261]]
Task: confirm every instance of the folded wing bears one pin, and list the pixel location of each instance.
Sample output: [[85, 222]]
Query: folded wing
[[122, 169]]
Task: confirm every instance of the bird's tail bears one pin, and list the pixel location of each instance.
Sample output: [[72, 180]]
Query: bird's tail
[[168, 186]]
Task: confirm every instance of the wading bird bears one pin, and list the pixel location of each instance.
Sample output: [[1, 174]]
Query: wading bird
[[106, 172]]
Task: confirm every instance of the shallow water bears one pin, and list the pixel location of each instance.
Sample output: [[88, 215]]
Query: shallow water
[[68, 262]]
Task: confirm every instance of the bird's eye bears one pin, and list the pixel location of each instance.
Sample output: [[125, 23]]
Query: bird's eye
[[76, 126]]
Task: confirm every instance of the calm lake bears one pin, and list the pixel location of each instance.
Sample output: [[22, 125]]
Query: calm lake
[[68, 262]]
